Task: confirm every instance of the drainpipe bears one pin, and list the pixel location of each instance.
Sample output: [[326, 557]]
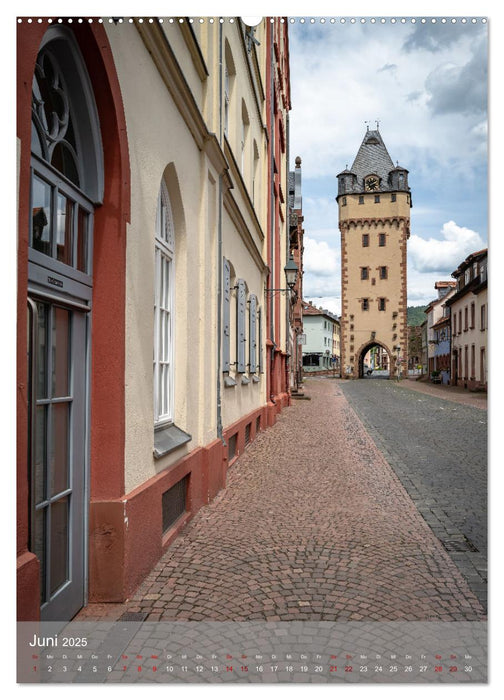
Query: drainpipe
[[272, 196], [219, 256]]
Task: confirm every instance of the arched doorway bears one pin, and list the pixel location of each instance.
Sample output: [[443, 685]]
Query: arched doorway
[[73, 207], [66, 183], [375, 360]]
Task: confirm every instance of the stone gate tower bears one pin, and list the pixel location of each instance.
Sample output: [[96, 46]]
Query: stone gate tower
[[374, 204]]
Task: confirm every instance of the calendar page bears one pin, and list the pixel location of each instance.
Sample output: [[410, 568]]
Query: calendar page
[[252, 349]]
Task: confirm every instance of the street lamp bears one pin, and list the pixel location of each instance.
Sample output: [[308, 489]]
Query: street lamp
[[291, 272]]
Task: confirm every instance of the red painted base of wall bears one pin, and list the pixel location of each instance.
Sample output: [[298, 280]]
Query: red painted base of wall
[[28, 587], [126, 535]]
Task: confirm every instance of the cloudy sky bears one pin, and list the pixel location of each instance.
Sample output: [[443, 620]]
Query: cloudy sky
[[426, 83]]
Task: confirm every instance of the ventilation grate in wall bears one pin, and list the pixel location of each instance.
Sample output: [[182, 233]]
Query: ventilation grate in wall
[[174, 503]]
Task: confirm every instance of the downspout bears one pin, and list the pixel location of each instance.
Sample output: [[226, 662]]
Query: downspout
[[219, 257], [272, 200]]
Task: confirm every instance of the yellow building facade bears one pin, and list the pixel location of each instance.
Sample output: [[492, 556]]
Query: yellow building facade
[[374, 204]]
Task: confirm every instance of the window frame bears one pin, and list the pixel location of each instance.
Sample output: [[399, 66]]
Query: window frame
[[164, 322]]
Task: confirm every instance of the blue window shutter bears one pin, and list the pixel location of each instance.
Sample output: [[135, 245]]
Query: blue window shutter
[[252, 334], [226, 315], [259, 339], [240, 326]]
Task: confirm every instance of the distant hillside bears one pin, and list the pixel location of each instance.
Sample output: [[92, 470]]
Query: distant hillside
[[416, 315]]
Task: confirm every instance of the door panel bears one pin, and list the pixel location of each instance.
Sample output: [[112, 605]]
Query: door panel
[[58, 448]]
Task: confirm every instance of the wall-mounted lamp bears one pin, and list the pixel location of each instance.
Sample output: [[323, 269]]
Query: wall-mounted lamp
[[291, 272]]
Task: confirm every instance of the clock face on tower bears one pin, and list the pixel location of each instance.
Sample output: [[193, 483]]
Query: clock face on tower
[[371, 183]]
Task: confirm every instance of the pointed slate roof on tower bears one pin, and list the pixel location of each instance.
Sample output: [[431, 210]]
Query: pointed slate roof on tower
[[373, 157]]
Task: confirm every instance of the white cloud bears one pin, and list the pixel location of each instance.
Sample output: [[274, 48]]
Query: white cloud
[[322, 274], [457, 243], [332, 304], [334, 87], [319, 258]]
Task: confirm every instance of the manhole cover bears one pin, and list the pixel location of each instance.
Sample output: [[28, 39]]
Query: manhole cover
[[459, 545]]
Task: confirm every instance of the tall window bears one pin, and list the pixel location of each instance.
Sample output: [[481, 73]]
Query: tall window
[[365, 304], [245, 122], [365, 240], [382, 239], [383, 272], [364, 273], [226, 101], [163, 310], [255, 172], [229, 75], [483, 317], [381, 304]]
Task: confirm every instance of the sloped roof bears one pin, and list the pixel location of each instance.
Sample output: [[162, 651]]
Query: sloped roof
[[373, 157]]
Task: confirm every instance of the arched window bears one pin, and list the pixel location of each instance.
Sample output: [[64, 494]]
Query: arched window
[[67, 160], [255, 172], [163, 310], [229, 76], [245, 123]]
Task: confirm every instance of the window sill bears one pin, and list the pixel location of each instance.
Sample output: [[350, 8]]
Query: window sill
[[229, 381], [168, 438], [245, 380]]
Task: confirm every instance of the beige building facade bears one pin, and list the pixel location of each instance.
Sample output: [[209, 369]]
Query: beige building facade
[[149, 234], [469, 323], [374, 204]]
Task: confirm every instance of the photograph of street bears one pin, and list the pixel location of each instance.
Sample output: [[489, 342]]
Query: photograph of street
[[252, 349]]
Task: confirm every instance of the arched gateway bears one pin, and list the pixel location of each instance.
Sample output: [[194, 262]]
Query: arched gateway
[[374, 360]]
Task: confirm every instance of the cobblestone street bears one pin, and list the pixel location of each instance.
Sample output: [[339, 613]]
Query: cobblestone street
[[438, 449], [313, 529]]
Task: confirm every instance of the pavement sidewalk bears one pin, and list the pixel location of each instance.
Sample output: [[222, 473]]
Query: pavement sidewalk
[[313, 525], [450, 393]]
